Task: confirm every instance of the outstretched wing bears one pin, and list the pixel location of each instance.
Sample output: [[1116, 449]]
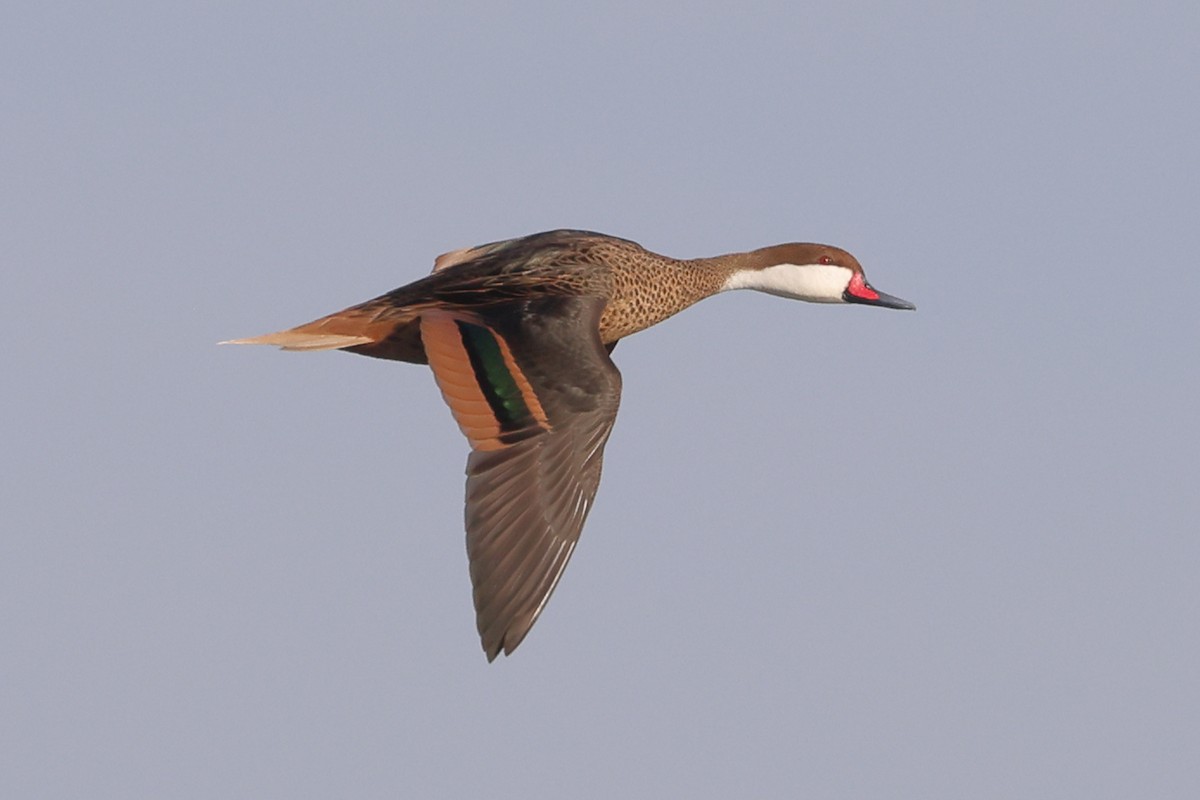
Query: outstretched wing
[[535, 393]]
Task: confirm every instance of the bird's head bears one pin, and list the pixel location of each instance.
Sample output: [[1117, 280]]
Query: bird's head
[[818, 273]]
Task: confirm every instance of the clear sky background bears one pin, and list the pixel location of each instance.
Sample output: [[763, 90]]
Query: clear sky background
[[839, 552]]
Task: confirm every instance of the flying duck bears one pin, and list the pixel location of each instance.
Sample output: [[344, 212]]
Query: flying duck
[[519, 334]]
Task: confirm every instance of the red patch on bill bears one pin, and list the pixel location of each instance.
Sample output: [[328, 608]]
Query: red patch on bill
[[860, 288]]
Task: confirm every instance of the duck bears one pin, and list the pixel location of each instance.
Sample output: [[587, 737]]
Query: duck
[[519, 335]]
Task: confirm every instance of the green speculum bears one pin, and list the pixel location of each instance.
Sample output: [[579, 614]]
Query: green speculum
[[495, 380]]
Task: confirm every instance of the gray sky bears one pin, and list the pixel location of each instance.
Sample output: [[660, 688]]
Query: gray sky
[[838, 552]]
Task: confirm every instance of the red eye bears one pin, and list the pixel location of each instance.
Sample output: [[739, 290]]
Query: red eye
[[825, 260]]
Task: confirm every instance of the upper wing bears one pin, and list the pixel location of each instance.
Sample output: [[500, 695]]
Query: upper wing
[[536, 394]]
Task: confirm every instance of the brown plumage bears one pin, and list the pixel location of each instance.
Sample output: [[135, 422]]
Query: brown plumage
[[518, 335]]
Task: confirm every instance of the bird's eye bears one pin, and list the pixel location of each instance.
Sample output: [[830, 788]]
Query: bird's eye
[[825, 260]]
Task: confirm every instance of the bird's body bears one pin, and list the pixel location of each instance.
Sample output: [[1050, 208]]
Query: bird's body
[[518, 334]]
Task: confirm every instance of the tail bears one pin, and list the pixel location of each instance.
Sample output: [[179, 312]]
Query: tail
[[375, 328], [300, 339]]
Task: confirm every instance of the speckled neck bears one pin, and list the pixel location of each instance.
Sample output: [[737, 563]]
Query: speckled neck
[[648, 288]]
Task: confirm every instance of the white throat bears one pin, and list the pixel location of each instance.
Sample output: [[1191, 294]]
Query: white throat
[[816, 283]]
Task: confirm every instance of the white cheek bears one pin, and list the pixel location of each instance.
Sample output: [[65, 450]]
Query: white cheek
[[816, 283]]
